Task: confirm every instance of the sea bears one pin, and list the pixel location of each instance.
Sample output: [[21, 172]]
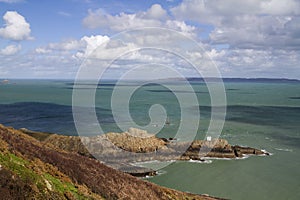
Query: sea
[[264, 114]]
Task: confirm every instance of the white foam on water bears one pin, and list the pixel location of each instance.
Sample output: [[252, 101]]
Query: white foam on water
[[160, 172], [266, 152], [245, 156], [204, 161], [213, 158], [287, 150]]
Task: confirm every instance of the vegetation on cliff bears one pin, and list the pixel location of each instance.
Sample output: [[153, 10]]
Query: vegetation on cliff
[[31, 169]]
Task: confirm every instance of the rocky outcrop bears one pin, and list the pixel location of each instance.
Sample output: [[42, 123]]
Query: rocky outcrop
[[218, 148], [240, 151], [120, 150], [139, 141], [136, 140]]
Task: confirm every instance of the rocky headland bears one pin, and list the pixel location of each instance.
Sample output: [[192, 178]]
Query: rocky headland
[[122, 150]]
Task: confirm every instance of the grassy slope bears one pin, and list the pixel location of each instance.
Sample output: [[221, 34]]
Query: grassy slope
[[30, 169]]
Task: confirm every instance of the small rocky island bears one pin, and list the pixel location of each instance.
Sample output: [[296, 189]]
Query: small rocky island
[[122, 150]]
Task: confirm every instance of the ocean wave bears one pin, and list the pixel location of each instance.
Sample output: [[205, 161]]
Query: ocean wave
[[267, 138], [160, 172], [206, 161], [152, 162], [245, 156], [213, 158], [287, 150]]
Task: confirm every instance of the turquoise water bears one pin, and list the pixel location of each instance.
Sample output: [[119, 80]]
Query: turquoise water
[[262, 115]]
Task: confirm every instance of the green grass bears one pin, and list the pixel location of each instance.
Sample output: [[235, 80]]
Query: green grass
[[63, 187], [20, 167], [60, 186]]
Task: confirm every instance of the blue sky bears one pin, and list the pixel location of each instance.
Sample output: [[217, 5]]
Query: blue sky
[[50, 39]]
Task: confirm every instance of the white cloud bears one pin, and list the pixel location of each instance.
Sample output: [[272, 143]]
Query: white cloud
[[155, 12], [65, 45], [10, 50], [279, 7], [93, 42], [260, 37], [120, 22], [151, 18], [83, 47], [198, 9], [246, 24], [257, 62], [16, 27], [258, 32], [41, 50], [182, 27], [232, 62], [155, 16]]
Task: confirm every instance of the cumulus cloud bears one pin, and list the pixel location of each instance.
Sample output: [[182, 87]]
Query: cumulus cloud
[[41, 50], [122, 21], [155, 12], [16, 27], [65, 45], [245, 39], [182, 27], [256, 62], [155, 16], [83, 47], [93, 42], [279, 7], [10, 50], [246, 24], [198, 9]]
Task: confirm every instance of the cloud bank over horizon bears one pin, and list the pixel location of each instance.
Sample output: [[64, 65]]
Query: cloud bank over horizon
[[255, 38]]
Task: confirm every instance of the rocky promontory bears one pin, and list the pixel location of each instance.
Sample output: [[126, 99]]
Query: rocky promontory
[[121, 150], [139, 141]]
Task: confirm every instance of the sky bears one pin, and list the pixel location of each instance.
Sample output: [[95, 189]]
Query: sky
[[53, 39]]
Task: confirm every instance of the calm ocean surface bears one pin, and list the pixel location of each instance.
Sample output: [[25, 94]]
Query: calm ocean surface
[[262, 115]]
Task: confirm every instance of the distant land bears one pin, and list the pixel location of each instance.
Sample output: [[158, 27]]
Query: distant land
[[263, 80], [191, 79]]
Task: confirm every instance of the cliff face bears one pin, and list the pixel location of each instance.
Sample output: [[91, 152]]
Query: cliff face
[[39, 169]]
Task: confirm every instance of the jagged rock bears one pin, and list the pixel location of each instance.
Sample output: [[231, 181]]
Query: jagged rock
[[239, 151], [136, 140]]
